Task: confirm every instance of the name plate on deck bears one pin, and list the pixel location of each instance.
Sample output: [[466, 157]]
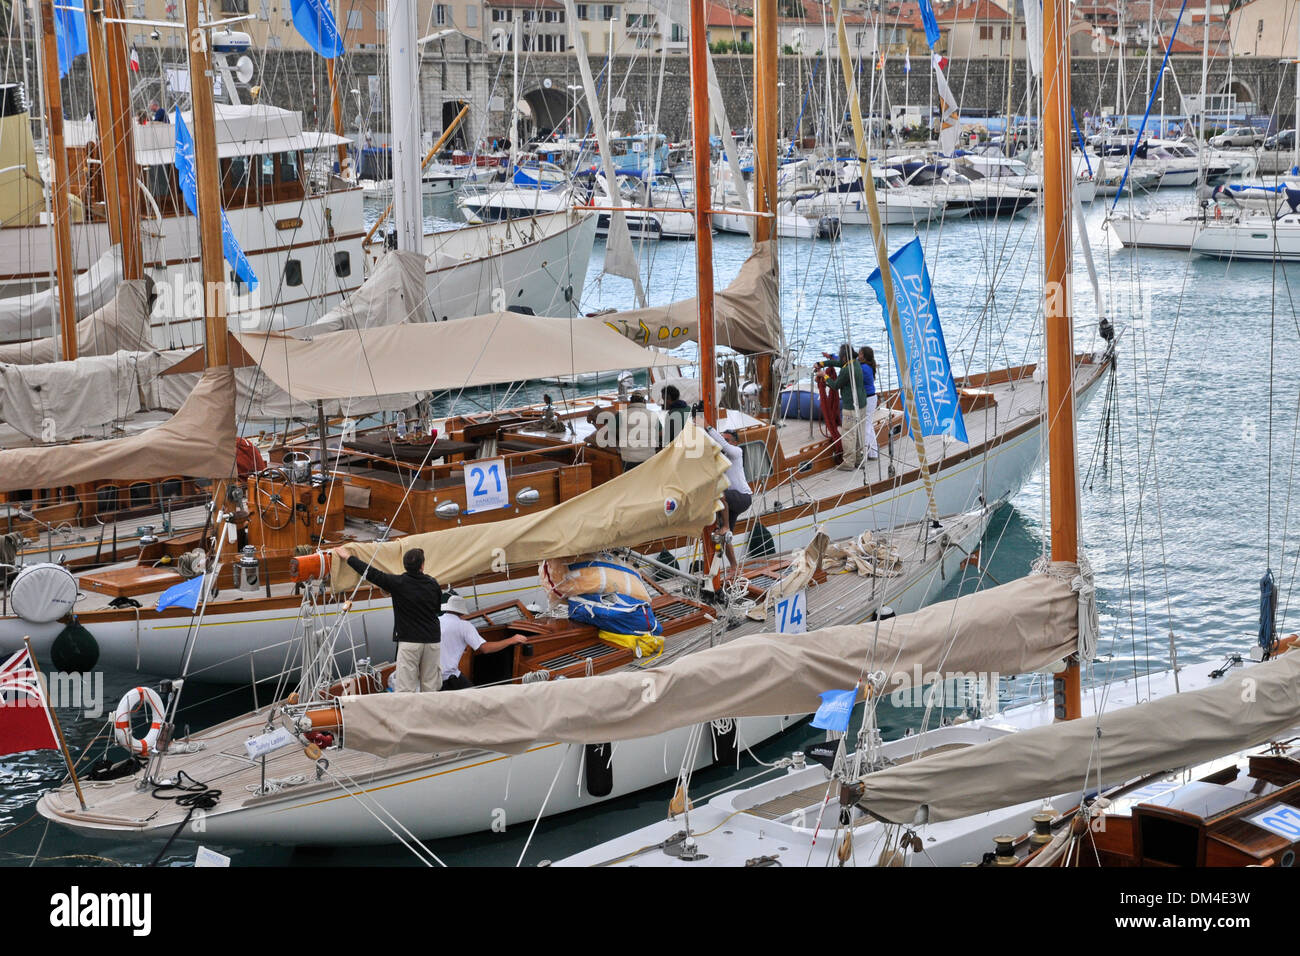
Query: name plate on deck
[[486, 486], [263, 744]]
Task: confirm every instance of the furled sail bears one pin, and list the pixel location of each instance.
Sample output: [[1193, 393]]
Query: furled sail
[[485, 350], [199, 441], [59, 401], [674, 493], [1247, 708], [119, 325], [25, 316], [393, 294], [1015, 628], [746, 313]]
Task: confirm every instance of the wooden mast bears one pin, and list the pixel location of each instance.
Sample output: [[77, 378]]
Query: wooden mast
[[64, 266], [107, 52], [336, 107], [765, 158], [882, 256], [703, 215], [1058, 181], [207, 178]]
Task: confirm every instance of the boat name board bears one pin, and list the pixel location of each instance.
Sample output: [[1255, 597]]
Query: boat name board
[[263, 744]]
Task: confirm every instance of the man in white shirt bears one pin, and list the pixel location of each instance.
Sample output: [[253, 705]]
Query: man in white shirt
[[458, 635], [738, 496]]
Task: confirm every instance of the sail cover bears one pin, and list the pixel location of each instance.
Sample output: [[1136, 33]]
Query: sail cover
[[25, 316], [676, 492], [421, 357], [198, 441], [1015, 628], [1248, 708], [59, 401], [394, 293], [122, 324], [746, 313]]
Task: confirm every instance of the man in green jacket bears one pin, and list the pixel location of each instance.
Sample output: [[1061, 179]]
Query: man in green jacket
[[853, 408]]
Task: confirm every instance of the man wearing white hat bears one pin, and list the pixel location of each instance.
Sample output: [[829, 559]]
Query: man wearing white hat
[[458, 635]]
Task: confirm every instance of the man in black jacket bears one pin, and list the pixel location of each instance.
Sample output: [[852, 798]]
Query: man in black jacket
[[417, 603]]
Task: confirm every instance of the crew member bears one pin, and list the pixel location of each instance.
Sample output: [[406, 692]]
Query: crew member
[[157, 112], [458, 635], [676, 413], [853, 407], [640, 433], [738, 497], [417, 604], [867, 356]]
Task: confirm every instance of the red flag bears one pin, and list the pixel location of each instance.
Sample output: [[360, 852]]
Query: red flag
[[24, 720], [135, 60]]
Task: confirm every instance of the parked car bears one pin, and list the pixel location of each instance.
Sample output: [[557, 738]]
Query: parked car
[[1238, 136], [1285, 139]]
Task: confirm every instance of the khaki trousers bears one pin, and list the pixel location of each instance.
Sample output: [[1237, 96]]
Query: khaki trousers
[[417, 667], [851, 435]]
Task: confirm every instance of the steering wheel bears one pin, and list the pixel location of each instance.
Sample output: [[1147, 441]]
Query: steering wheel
[[275, 511]]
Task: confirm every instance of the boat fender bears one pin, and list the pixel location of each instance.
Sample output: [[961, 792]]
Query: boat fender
[[131, 700], [761, 543], [726, 742], [105, 769], [75, 650], [43, 593], [599, 769]]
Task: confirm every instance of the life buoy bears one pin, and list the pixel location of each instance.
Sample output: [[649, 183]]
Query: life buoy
[[122, 720]]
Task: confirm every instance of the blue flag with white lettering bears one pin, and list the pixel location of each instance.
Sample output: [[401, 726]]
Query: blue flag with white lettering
[[835, 710], [69, 35], [315, 21], [186, 594], [931, 24], [185, 173], [922, 350]]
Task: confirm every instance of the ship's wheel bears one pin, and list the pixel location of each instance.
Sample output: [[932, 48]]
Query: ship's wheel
[[275, 511]]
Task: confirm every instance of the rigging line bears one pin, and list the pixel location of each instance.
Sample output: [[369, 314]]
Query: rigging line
[[542, 809]]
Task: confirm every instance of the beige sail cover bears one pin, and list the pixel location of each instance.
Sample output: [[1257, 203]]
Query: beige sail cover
[[674, 493], [747, 314], [483, 350], [120, 325], [393, 294], [198, 441], [1011, 629], [1247, 708]]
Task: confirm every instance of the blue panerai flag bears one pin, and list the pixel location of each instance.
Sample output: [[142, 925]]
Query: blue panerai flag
[[315, 21], [931, 24], [835, 710], [185, 173], [186, 594], [70, 35], [922, 349]]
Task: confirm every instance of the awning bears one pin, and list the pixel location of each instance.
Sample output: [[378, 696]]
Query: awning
[[464, 353]]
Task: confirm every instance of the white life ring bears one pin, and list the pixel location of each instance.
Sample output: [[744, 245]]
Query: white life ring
[[122, 720]]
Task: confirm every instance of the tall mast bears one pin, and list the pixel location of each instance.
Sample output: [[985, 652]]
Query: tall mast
[[207, 178], [882, 254], [336, 108], [106, 45], [404, 114], [64, 266], [1058, 180], [766, 133], [703, 216]]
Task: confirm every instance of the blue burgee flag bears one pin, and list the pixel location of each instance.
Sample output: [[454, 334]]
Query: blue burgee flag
[[69, 35], [931, 24], [186, 594], [923, 350], [315, 21], [185, 172], [835, 710]]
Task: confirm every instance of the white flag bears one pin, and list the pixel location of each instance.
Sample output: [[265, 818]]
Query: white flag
[[949, 123]]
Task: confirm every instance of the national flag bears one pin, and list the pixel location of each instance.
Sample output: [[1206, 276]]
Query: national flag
[[25, 722], [185, 173], [135, 60], [931, 24], [949, 122], [880, 63], [315, 21], [70, 35], [922, 350], [835, 710], [907, 61], [186, 594]]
